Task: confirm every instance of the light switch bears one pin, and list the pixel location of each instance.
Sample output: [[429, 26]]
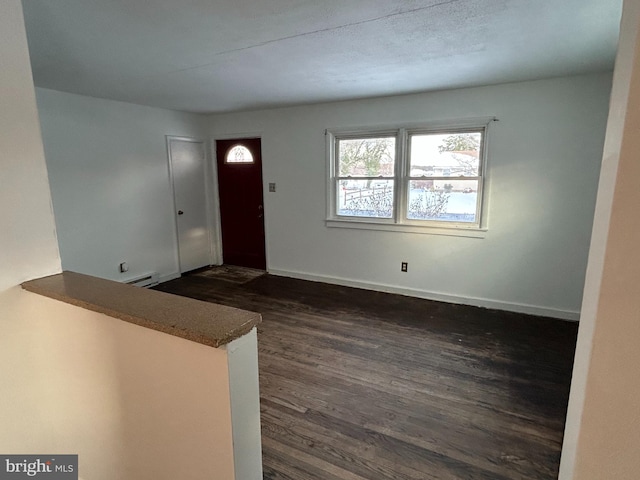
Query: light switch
[[272, 187]]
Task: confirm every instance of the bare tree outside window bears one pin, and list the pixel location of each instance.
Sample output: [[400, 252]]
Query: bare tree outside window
[[366, 169], [367, 157]]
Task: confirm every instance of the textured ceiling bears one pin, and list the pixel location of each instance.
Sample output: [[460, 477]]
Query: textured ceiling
[[225, 55]]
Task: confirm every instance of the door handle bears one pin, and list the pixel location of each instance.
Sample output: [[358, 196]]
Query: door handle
[[180, 212]]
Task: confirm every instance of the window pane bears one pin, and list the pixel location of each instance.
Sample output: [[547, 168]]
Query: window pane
[[443, 200], [366, 157], [445, 154], [365, 198], [239, 154]]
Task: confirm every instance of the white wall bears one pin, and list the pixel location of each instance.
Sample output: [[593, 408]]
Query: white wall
[[113, 201], [543, 163], [28, 246], [602, 438], [110, 183], [244, 392]]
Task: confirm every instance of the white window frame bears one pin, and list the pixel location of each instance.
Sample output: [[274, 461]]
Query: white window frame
[[399, 220]]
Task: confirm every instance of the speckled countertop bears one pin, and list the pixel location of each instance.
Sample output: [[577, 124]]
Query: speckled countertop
[[198, 321]]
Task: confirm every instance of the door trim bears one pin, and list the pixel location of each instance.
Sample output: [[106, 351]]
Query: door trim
[[215, 197], [168, 139], [217, 225]]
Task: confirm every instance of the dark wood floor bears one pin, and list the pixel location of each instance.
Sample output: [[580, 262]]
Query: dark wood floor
[[365, 385]]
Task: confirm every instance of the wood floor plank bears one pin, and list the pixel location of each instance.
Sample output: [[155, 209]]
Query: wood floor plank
[[358, 382], [438, 435], [362, 385], [393, 456], [291, 459]]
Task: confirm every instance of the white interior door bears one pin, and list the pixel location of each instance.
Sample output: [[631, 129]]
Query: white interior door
[[187, 160]]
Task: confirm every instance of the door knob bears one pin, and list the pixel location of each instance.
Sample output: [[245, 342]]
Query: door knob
[[180, 212]]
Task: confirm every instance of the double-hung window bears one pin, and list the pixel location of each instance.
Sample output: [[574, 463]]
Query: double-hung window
[[407, 178]]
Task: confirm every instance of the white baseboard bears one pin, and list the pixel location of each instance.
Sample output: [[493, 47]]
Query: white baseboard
[[437, 296]]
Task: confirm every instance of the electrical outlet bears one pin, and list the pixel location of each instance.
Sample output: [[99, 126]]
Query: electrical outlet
[[404, 266], [124, 267], [272, 187]]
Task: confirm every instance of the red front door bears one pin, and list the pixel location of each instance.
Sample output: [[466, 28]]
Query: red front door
[[241, 204]]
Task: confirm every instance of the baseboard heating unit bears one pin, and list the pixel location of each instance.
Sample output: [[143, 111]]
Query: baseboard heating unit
[[147, 280]]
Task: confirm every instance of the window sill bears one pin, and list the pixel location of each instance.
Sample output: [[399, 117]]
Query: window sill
[[470, 232]]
